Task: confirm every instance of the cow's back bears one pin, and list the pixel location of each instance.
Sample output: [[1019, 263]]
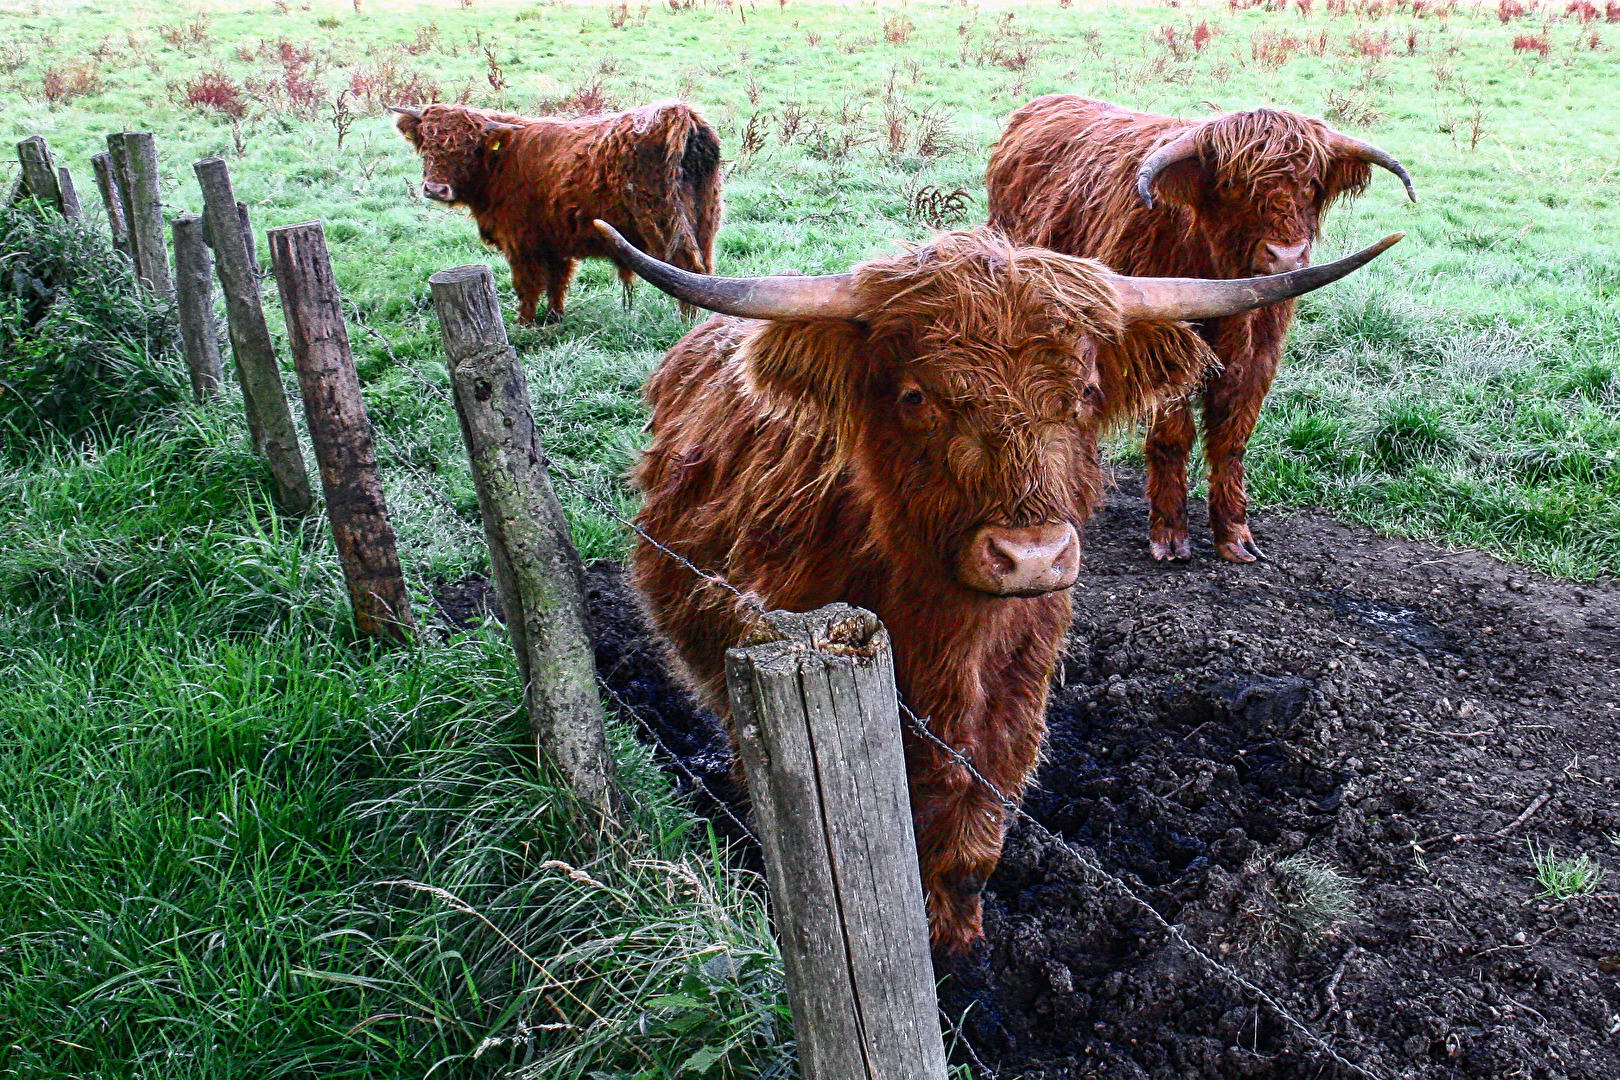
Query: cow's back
[[1063, 176]]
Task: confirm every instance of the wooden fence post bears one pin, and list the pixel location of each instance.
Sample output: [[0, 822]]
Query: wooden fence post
[[71, 209], [336, 415], [270, 422], [537, 571], [194, 297], [112, 197], [39, 172], [136, 166], [815, 711]]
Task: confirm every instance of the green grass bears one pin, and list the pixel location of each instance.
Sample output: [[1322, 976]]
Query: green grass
[[206, 783], [1564, 877]]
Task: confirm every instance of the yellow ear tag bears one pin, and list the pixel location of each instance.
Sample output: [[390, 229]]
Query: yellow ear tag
[[496, 145]]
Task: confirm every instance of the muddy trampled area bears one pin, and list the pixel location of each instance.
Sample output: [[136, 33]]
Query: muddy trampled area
[[1225, 736]]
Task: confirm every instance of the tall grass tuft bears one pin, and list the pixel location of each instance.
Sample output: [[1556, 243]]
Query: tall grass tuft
[[82, 347]]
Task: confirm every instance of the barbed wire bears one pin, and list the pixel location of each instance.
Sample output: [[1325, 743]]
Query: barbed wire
[[920, 726]]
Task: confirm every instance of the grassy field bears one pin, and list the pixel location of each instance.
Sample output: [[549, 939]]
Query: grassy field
[[209, 793]]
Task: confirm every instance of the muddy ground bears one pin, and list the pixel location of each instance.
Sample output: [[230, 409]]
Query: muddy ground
[[1380, 706]]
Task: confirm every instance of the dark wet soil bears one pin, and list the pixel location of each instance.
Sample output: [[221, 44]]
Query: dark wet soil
[[1372, 706]]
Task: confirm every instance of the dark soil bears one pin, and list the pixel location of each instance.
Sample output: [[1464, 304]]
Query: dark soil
[[1359, 700]]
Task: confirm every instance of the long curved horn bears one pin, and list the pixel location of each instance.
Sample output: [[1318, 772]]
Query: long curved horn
[[1145, 299], [1372, 155], [1178, 149], [406, 110], [786, 297]]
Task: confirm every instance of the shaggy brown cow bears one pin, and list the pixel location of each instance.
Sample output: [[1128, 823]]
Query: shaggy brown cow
[[535, 185], [918, 437], [1241, 194]]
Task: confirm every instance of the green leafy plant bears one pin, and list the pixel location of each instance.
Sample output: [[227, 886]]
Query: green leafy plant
[[1564, 878]]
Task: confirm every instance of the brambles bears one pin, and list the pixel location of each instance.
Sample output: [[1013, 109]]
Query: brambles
[[754, 135], [1536, 43], [1352, 109], [215, 91], [1365, 43], [492, 66], [897, 29], [939, 208], [589, 99], [342, 118], [1564, 878], [1508, 10], [427, 39], [71, 80], [184, 35], [1271, 49], [389, 82]]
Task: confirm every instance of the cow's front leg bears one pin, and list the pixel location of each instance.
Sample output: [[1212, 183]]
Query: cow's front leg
[[561, 273], [1169, 441], [530, 277], [959, 832], [1231, 407]]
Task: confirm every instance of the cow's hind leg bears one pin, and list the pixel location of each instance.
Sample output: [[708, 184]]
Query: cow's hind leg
[[1231, 407], [627, 282], [1169, 441]]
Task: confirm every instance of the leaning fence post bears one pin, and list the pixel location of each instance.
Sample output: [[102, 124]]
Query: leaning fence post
[[815, 711], [194, 299], [71, 209], [136, 166], [537, 571], [39, 171], [336, 415], [270, 422], [112, 197]]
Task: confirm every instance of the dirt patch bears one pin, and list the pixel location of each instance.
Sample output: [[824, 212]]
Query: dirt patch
[[1355, 702]]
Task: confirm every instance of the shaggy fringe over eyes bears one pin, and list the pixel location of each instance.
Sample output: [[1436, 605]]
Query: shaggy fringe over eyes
[[452, 129], [1267, 149], [977, 289]]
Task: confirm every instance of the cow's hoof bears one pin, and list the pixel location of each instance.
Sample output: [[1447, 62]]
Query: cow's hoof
[[552, 318], [1176, 548], [1240, 551]]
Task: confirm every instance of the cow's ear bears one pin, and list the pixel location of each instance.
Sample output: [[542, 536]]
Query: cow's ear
[[1148, 365], [496, 134], [810, 371], [1181, 182], [1346, 175], [409, 123]]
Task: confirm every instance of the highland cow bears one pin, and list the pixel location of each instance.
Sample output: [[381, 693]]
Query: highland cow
[[1233, 196], [535, 184], [917, 437]]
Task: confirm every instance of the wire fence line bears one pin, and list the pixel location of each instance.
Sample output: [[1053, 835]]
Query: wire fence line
[[920, 726]]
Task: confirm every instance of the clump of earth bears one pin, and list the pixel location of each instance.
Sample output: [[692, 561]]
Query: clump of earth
[[1318, 766]]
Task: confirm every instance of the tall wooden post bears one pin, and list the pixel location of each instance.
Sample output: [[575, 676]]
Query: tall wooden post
[[112, 198], [134, 155], [336, 415], [39, 172], [71, 209], [536, 568], [815, 711], [194, 297], [270, 422]]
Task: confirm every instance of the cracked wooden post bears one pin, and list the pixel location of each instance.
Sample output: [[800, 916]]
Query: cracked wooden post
[[39, 177], [537, 571], [816, 716], [194, 300], [71, 209], [135, 163], [270, 422], [112, 198], [341, 432]]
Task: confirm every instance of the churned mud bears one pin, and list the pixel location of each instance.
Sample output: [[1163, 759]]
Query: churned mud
[[1222, 734]]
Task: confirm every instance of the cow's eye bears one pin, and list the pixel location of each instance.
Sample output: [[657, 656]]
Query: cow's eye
[[913, 396]]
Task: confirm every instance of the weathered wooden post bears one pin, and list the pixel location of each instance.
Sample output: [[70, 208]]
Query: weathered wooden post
[[815, 711], [112, 197], [336, 415], [270, 422], [39, 172], [194, 298], [135, 163], [537, 571], [71, 209]]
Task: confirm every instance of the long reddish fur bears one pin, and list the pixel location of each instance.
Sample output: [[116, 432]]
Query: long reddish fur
[[1063, 176], [652, 173], [778, 461]]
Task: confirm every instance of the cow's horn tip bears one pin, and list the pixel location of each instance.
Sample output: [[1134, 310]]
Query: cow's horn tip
[[605, 229]]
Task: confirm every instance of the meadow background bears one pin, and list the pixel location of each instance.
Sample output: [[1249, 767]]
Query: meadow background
[[236, 840]]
